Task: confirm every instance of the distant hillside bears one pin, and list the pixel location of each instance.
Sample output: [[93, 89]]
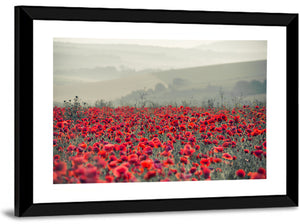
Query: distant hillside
[[224, 74], [172, 85], [107, 90]]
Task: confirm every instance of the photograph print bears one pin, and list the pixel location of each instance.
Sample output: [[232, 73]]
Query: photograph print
[[128, 110]]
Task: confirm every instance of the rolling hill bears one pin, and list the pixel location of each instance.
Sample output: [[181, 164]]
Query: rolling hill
[[190, 80]]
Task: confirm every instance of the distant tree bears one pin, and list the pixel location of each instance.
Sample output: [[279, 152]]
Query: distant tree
[[159, 87], [249, 88], [211, 103], [102, 103], [142, 97], [178, 82], [256, 86], [74, 108], [241, 87], [221, 92], [265, 86]]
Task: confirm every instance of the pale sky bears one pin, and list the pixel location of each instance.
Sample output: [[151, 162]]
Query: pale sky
[[88, 60], [79, 53], [158, 43]]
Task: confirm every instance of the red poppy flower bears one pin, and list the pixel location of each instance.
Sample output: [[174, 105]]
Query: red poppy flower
[[133, 158], [103, 154], [78, 160], [165, 154], [60, 124], [265, 145], [226, 144], [257, 176], [259, 147], [215, 142], [60, 168], [206, 172], [108, 147], [100, 163], [205, 161], [198, 173], [169, 162], [218, 149], [91, 175], [184, 160], [82, 145], [218, 170], [261, 171], [258, 153], [120, 171], [118, 140], [109, 179], [150, 174], [112, 164], [217, 160], [240, 173], [227, 156], [193, 169], [147, 163]]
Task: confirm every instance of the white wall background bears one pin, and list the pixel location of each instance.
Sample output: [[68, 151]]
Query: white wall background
[[271, 215]]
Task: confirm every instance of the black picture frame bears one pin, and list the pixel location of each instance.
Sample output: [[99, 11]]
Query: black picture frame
[[24, 18]]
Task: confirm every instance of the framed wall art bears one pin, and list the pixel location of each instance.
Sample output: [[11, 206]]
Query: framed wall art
[[135, 110]]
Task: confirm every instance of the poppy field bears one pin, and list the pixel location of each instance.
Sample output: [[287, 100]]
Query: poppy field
[[130, 144]]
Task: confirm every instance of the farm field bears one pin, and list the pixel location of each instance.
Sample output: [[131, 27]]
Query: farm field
[[130, 144]]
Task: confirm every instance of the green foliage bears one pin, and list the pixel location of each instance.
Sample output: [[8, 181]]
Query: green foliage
[[102, 103], [74, 108]]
